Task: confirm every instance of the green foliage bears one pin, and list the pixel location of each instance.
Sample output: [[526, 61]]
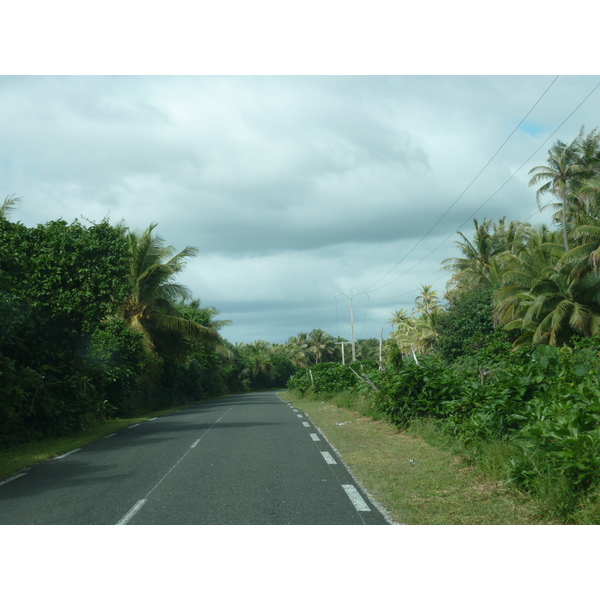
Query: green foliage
[[417, 390], [57, 283], [467, 324], [324, 378], [115, 361]]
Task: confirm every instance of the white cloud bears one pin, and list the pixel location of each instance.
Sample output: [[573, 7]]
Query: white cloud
[[293, 188]]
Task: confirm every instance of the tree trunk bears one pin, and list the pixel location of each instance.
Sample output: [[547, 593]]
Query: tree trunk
[[564, 224]]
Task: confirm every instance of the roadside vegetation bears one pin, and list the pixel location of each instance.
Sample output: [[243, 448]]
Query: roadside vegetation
[[501, 371], [504, 369], [417, 474]]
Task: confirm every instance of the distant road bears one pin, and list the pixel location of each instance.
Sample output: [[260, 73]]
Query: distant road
[[244, 459]]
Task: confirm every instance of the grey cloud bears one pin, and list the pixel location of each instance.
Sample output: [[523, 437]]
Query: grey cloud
[[293, 188]]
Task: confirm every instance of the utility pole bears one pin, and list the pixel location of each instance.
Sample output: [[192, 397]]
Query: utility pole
[[343, 355], [352, 328]]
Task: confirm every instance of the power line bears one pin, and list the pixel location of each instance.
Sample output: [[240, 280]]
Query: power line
[[442, 276], [466, 189], [491, 197]]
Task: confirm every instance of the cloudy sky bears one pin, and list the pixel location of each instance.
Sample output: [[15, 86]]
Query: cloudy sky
[[299, 192]]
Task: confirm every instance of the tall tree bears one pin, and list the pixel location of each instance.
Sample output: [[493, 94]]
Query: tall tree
[[560, 174], [478, 264], [320, 344], [151, 307]]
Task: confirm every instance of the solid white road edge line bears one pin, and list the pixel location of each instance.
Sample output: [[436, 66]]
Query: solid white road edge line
[[132, 512], [12, 478], [67, 453], [355, 498]]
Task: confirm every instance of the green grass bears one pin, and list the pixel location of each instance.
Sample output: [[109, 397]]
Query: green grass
[[438, 488]]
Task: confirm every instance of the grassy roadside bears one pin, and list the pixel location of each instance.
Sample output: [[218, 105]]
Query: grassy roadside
[[14, 460], [436, 489]]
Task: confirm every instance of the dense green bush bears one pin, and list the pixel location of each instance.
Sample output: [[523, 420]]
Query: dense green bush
[[417, 390], [57, 283], [115, 360], [545, 402], [466, 325], [325, 378]]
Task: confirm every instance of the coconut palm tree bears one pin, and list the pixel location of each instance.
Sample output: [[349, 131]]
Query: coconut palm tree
[[297, 350], [405, 335], [9, 204], [522, 270], [560, 173], [151, 307], [398, 317], [367, 349], [558, 310], [544, 296], [478, 265], [427, 303], [320, 344]]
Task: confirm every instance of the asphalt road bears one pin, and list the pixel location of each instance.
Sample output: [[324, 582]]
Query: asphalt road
[[239, 460]]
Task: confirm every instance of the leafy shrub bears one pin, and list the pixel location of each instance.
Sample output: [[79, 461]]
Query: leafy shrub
[[325, 378], [417, 391], [114, 361], [564, 435]]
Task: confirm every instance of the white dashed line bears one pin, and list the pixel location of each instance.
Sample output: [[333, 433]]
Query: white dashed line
[[300, 416], [356, 498], [328, 458], [132, 512], [109, 435], [154, 419], [196, 443], [305, 424], [12, 478], [315, 437], [132, 426], [67, 453]]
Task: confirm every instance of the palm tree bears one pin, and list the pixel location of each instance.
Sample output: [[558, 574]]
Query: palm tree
[[478, 264], [151, 307], [560, 174], [320, 344], [399, 317], [9, 204], [589, 159], [367, 349], [205, 316], [558, 310], [548, 298], [297, 348], [406, 336], [427, 303], [522, 270], [260, 357]]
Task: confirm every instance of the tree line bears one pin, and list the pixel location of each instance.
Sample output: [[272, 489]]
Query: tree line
[[94, 324]]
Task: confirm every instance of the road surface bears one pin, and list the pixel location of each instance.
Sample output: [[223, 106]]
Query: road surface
[[249, 459]]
